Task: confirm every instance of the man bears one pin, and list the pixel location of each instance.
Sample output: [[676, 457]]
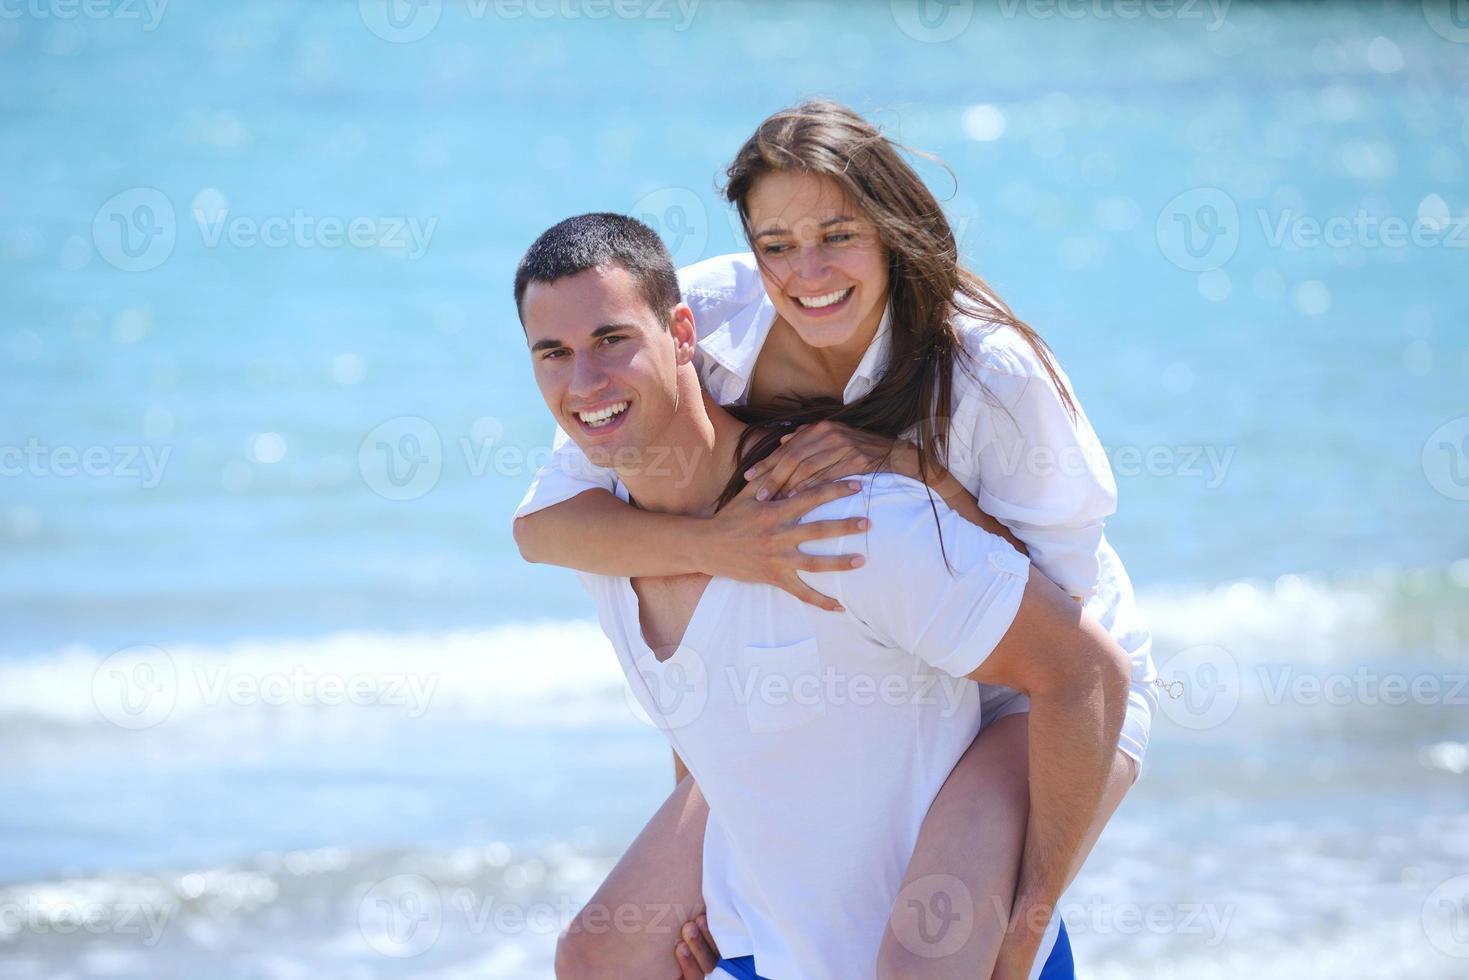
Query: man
[[819, 739]]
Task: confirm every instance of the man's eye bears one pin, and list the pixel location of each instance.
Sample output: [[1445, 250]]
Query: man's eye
[[614, 338], [552, 355]]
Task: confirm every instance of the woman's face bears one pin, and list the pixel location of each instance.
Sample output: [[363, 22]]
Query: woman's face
[[823, 263]]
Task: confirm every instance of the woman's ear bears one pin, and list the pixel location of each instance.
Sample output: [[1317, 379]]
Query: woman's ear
[[685, 334]]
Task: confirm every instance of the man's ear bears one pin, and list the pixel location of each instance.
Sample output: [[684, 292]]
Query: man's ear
[[685, 335]]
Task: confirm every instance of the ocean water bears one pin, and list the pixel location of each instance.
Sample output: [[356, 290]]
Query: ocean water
[[278, 698]]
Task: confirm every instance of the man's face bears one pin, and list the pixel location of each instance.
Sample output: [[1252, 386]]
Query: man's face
[[605, 363]]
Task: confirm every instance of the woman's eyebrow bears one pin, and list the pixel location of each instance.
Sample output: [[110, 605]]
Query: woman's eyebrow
[[778, 230]]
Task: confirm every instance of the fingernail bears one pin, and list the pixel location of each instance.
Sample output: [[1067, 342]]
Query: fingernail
[[762, 494], [858, 561], [840, 609], [750, 473], [683, 951], [689, 932], [864, 523], [854, 486]]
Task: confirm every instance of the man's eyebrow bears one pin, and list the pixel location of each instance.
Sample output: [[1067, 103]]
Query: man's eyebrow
[[778, 230], [602, 331]]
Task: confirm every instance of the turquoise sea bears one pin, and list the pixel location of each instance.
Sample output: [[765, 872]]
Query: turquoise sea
[[278, 697]]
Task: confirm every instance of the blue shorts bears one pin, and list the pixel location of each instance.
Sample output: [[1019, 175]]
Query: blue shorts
[[1059, 965]]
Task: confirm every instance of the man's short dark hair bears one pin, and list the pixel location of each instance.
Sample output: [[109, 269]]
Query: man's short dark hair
[[590, 240]]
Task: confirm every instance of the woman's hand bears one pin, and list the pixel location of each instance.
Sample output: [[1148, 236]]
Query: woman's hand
[[759, 540], [696, 953], [824, 450]]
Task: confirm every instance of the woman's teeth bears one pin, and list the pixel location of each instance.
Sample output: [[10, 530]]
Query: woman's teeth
[[817, 302], [599, 418]]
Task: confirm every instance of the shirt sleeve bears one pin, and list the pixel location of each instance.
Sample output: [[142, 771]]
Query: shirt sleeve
[[950, 614], [1039, 470], [567, 473]]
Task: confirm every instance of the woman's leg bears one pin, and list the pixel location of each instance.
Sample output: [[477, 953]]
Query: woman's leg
[[631, 925], [950, 917]]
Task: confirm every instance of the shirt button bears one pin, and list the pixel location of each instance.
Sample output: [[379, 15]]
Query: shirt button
[[1011, 562]]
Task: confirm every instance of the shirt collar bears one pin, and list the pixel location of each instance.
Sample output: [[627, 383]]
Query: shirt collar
[[735, 345]]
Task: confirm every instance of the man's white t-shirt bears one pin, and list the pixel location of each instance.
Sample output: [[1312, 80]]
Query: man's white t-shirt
[[820, 739]]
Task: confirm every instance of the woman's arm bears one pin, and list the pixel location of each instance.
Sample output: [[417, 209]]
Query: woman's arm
[[748, 540]]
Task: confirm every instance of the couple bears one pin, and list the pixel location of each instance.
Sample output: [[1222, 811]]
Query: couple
[[906, 732]]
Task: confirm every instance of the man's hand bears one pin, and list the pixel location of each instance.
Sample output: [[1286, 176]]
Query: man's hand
[[824, 450], [759, 541], [696, 953]]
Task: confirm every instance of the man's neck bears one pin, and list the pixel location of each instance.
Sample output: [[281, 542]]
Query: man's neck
[[688, 472]]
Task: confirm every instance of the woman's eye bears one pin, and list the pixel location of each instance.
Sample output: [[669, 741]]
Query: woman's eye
[[841, 237], [775, 249]]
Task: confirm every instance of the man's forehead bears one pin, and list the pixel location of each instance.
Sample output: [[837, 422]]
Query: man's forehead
[[584, 301]]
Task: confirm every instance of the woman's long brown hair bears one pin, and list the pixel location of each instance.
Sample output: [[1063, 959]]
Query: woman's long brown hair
[[928, 288]]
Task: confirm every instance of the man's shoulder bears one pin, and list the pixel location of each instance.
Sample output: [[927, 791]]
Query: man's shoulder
[[887, 494]]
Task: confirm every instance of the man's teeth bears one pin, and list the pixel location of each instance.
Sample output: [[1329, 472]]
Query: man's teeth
[[817, 302], [602, 416]]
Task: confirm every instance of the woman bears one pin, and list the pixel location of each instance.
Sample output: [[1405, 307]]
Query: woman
[[854, 293]]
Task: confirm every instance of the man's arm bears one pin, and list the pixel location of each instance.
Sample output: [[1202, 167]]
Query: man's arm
[[1077, 679]]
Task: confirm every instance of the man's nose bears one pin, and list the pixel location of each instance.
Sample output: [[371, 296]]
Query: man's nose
[[587, 377]]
